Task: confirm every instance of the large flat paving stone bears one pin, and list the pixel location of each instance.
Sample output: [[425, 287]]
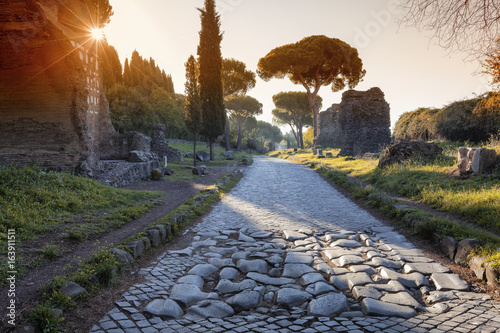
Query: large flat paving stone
[[194, 280], [299, 258], [413, 280], [245, 300], [265, 279], [347, 260], [297, 270], [256, 265], [360, 292], [320, 288], [347, 243], [382, 262], [203, 270], [165, 308], [188, 294], [310, 278], [210, 309], [327, 305], [401, 298], [449, 282], [372, 307], [425, 268], [292, 236], [228, 287], [290, 297]]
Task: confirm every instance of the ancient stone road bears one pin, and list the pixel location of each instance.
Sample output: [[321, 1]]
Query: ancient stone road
[[286, 252]]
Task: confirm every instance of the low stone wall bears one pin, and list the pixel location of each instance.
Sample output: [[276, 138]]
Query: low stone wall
[[122, 173]]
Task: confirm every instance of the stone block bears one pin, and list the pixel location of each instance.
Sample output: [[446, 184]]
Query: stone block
[[372, 307], [327, 305], [475, 160], [202, 156], [163, 231], [464, 249], [478, 266], [449, 246], [147, 243], [137, 248], [165, 308], [73, 290], [123, 257], [156, 174], [492, 276], [154, 236], [445, 282]]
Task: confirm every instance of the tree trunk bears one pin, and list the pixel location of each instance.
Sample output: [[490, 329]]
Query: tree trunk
[[212, 157], [301, 136], [194, 151], [238, 143], [228, 145], [297, 138], [313, 102]]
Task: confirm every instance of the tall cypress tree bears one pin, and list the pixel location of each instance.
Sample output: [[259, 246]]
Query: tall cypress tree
[[192, 109], [210, 79]]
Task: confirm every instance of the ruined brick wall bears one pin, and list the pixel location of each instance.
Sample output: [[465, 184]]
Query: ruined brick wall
[[53, 111], [364, 122], [328, 128]]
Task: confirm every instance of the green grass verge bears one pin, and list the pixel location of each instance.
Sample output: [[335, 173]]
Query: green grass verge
[[412, 179], [33, 201]]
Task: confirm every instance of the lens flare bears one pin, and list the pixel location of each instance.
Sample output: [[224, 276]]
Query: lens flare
[[97, 34]]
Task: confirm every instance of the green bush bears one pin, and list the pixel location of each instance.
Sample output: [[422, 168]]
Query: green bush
[[46, 319]]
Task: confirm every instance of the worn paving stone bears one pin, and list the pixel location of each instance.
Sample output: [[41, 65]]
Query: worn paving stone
[[378, 308], [164, 308], [290, 297], [425, 268], [297, 270], [449, 282], [327, 305], [413, 280], [298, 258]]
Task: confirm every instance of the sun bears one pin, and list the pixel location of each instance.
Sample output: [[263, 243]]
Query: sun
[[97, 34]]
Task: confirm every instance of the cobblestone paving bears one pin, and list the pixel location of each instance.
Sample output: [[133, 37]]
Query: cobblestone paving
[[286, 252]]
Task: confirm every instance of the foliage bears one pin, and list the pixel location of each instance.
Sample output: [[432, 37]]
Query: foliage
[[236, 79], [99, 13], [417, 125], [50, 251], [268, 135], [145, 75], [111, 66], [46, 319], [192, 109], [313, 62], [33, 201], [242, 107], [293, 109], [308, 137], [210, 78], [473, 120]]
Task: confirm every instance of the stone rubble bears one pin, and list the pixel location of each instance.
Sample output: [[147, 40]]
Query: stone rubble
[[297, 277]]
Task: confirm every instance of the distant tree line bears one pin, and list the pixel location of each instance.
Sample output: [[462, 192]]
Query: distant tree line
[[473, 120], [141, 95]]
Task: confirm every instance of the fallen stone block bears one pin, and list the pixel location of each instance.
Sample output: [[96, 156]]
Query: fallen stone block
[[137, 247], [478, 266], [154, 236], [448, 246], [73, 290]]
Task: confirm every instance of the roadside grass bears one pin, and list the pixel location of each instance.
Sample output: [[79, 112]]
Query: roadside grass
[[428, 181], [34, 201], [102, 268], [183, 168]]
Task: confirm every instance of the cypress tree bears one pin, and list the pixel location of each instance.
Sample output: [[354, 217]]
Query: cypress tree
[[210, 79], [192, 108]]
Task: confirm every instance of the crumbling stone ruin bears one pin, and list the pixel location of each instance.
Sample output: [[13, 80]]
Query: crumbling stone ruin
[[473, 161], [402, 150], [328, 127], [361, 124], [53, 110]]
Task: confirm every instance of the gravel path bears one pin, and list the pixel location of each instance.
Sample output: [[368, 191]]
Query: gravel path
[[286, 252]]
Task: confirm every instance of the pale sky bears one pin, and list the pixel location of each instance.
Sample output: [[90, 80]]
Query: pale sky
[[412, 71]]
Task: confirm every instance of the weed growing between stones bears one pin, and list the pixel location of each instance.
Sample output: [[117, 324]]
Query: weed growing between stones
[[51, 251], [46, 319]]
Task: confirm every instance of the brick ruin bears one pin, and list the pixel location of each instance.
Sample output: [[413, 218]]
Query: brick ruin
[[53, 110], [359, 124]]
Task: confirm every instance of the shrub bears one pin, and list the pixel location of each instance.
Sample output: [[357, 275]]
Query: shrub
[[46, 319]]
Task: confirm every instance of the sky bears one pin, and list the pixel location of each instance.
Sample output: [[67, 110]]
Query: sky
[[405, 63]]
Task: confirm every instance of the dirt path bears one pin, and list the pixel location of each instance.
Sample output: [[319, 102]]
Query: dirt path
[[176, 193]]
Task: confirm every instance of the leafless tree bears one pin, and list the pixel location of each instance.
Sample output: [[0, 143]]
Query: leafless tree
[[472, 26]]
